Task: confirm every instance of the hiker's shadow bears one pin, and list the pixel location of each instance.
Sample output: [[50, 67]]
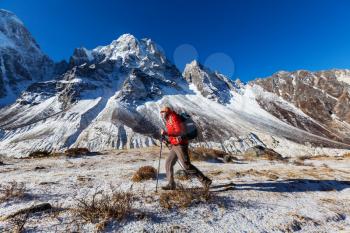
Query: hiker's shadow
[[296, 185], [222, 187], [162, 176]]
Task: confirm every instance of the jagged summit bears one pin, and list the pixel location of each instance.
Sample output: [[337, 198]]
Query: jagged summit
[[128, 48], [342, 75], [7, 13], [127, 52], [126, 41], [125, 45], [8, 16], [212, 85], [80, 56], [193, 64]]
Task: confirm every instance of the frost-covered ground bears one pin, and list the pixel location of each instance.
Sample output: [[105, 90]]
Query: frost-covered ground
[[269, 196]]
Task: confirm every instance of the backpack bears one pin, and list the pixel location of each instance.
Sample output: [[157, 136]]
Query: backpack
[[191, 131]]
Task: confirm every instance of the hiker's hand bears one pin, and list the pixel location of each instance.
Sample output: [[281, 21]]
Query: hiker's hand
[[178, 139], [162, 132]]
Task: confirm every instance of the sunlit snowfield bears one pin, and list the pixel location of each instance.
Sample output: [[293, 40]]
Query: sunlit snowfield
[[310, 194]]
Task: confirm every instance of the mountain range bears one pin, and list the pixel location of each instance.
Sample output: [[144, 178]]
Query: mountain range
[[109, 98]]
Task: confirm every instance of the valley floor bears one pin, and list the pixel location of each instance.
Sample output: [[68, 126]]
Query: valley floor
[[310, 195]]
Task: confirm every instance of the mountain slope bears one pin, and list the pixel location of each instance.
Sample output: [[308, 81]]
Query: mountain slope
[[109, 97], [106, 88], [108, 103], [322, 96]]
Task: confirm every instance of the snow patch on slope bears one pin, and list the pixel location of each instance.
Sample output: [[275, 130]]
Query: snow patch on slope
[[5, 41], [344, 77]]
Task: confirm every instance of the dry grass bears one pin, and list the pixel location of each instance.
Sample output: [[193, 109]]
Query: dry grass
[[324, 157], [310, 172], [304, 157], [205, 154], [316, 157], [83, 179], [298, 222], [144, 173], [56, 210], [329, 200], [11, 191], [273, 156], [184, 198], [298, 162], [256, 173], [43, 154], [101, 207], [262, 153], [17, 223], [74, 152], [215, 172]]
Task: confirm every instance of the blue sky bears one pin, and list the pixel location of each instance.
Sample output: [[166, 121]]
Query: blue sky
[[245, 39]]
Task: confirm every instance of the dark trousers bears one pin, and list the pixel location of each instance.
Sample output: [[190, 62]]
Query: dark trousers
[[181, 152]]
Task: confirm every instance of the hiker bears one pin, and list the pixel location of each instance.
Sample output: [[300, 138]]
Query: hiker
[[175, 132]]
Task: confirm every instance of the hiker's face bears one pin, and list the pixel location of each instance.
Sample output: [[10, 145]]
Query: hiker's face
[[164, 115]]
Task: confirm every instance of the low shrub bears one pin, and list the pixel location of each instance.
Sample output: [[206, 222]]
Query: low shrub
[[17, 223], [103, 207], [184, 198], [12, 190], [304, 157], [298, 162], [40, 154], [144, 173], [263, 153], [75, 152], [205, 154]]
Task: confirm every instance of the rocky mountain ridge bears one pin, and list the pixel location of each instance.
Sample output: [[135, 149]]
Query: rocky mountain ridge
[[109, 98]]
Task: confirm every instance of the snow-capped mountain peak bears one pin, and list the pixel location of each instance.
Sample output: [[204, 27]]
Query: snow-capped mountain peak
[[129, 49], [124, 46], [14, 34], [109, 97], [343, 75], [8, 15], [21, 60]]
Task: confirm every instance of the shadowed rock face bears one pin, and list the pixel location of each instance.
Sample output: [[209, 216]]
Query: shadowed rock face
[[79, 57], [211, 85], [322, 96], [2, 86]]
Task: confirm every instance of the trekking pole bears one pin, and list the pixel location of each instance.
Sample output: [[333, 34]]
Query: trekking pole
[[160, 156]]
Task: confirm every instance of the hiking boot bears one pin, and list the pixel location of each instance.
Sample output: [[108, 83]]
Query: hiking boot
[[170, 186], [206, 183]]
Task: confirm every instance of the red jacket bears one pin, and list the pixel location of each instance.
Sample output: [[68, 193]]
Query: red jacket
[[175, 129]]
